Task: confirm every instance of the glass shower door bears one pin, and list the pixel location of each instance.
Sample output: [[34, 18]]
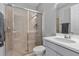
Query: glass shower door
[[35, 30], [16, 26], [20, 29]]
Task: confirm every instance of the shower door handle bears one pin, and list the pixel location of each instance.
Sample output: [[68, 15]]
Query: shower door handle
[[8, 29]]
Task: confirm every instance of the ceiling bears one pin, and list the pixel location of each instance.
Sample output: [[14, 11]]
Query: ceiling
[[60, 5], [28, 5], [35, 5]]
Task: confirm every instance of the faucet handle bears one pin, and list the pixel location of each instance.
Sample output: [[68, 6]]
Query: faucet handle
[[69, 36], [65, 36]]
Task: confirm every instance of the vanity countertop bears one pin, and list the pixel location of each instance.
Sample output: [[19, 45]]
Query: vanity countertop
[[71, 46]]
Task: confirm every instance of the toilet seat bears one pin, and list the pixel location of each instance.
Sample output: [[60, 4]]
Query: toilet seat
[[39, 50]]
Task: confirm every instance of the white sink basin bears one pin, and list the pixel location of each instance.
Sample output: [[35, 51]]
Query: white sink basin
[[65, 40]]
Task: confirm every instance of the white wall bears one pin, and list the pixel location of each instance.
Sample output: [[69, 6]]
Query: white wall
[[49, 19], [75, 19], [2, 8], [2, 49]]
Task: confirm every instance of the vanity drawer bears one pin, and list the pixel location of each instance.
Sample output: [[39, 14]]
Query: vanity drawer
[[50, 52], [65, 52], [61, 50]]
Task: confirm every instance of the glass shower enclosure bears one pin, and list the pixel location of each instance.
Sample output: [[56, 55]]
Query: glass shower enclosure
[[23, 30]]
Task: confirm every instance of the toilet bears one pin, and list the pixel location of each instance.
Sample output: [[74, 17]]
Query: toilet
[[39, 50]]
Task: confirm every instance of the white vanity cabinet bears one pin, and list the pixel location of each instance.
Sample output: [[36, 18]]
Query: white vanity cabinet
[[50, 52], [53, 49]]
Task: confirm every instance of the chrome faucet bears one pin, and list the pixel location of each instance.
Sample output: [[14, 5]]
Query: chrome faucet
[[67, 36]]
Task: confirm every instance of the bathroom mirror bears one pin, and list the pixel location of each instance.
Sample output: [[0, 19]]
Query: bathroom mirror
[[67, 18]]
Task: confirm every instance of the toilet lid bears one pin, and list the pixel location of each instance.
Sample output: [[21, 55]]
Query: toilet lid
[[39, 48]]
